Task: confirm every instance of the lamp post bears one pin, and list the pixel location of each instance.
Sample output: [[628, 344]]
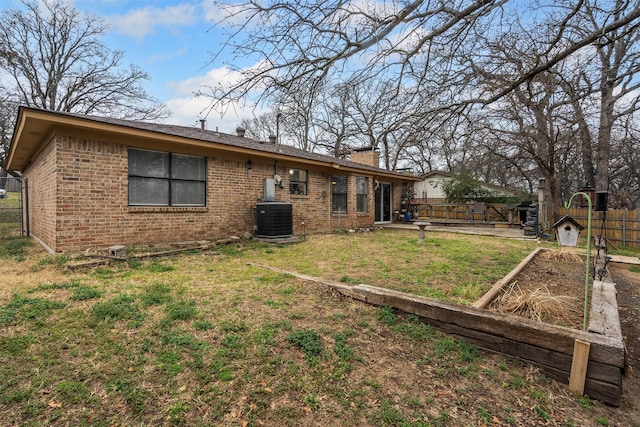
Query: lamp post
[[586, 277]]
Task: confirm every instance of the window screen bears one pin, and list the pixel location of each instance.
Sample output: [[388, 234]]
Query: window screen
[[158, 178], [339, 194], [362, 194]]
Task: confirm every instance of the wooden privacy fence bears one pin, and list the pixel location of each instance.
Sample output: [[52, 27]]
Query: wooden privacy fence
[[474, 212], [620, 227]]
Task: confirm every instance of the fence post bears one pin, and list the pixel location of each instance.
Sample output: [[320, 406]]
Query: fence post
[[624, 228]]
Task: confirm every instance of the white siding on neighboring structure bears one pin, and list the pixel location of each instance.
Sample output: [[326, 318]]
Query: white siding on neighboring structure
[[430, 189]]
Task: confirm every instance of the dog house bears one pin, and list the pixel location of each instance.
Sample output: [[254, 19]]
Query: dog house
[[567, 231]]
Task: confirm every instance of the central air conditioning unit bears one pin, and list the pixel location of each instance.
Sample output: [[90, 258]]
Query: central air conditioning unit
[[274, 219]]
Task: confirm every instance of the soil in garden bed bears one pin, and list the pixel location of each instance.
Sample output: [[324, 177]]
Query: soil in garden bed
[[627, 279], [549, 289]]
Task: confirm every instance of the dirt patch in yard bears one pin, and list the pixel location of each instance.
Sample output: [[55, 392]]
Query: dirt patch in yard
[[549, 289], [628, 287]]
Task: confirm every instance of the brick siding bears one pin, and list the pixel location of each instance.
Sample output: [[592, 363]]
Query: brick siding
[[40, 184], [78, 199]]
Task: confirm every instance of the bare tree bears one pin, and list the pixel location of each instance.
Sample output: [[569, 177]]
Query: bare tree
[[337, 130], [553, 84], [573, 104], [298, 106], [307, 41], [384, 117], [7, 120], [618, 55], [261, 127], [529, 116], [624, 180], [54, 59]]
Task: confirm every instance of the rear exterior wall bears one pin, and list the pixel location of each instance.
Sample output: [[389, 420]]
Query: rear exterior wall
[[79, 199]]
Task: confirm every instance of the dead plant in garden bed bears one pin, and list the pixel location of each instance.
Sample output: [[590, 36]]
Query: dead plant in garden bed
[[538, 304], [562, 256]]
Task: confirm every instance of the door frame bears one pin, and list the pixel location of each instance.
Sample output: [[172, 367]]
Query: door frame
[[380, 203]]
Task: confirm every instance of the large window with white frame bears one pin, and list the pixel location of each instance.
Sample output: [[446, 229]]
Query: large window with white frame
[[158, 178]]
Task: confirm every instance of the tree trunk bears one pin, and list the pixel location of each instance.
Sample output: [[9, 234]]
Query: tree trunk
[[604, 136]]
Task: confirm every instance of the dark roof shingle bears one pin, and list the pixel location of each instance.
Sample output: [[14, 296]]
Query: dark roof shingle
[[196, 133]]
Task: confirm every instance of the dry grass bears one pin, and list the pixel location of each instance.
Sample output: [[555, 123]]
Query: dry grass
[[538, 304], [205, 338], [562, 255]]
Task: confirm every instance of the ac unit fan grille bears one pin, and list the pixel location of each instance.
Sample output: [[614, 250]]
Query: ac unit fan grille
[[274, 219]]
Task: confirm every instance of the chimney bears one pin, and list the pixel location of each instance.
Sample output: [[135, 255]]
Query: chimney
[[240, 131], [202, 122], [369, 158], [273, 139]]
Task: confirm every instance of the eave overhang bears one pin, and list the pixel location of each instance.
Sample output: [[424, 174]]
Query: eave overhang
[[35, 128]]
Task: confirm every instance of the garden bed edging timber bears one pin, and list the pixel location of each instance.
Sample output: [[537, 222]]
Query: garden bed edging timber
[[548, 347]]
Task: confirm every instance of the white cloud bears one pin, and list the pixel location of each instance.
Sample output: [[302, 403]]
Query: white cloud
[[222, 76], [139, 23], [166, 56], [187, 109], [212, 12], [230, 14]]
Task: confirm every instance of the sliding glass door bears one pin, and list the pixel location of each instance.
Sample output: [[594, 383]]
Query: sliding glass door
[[383, 202]]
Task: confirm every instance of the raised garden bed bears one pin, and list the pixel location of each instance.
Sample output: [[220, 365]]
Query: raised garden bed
[[544, 336], [548, 346], [548, 287]]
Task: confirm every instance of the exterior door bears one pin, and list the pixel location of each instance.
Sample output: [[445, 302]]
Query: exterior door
[[383, 202]]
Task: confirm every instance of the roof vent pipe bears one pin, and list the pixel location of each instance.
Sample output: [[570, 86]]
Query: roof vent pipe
[[240, 131], [202, 122], [273, 139]]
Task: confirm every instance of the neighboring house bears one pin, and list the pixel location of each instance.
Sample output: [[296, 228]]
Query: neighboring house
[[430, 187], [95, 182]]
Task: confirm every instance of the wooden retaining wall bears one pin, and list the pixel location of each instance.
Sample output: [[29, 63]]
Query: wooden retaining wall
[[546, 346], [549, 347]]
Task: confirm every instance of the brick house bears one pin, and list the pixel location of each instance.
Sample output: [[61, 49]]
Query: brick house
[[95, 182]]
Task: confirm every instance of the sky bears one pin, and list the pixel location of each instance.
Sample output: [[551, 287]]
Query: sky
[[173, 42]]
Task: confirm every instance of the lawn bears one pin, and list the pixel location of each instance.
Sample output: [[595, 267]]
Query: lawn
[[210, 338], [10, 213]]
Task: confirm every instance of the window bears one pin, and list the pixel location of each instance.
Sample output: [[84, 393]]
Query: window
[[362, 194], [339, 194], [297, 181], [158, 178]]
